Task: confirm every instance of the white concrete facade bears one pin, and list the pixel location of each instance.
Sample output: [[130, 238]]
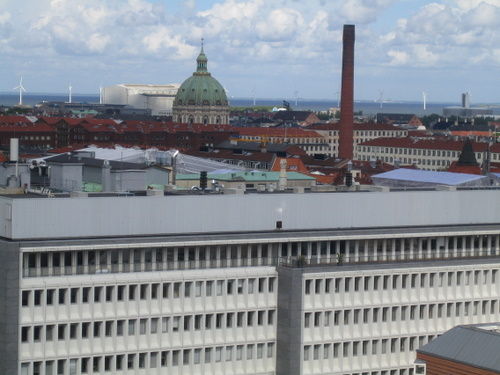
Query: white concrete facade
[[158, 98], [219, 302]]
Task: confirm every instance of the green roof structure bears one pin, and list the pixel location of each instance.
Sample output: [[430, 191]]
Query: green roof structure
[[201, 88]]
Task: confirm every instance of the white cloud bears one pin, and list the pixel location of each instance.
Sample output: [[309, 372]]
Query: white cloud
[[444, 34], [280, 24], [162, 40], [4, 17], [249, 37]]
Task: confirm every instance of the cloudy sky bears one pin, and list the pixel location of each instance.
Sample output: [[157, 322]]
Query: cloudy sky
[[272, 48]]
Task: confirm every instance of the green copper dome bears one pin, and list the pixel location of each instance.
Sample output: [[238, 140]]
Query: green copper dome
[[201, 88]]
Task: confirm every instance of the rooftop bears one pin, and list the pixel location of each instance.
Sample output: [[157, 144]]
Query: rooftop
[[91, 217], [247, 176], [473, 345], [432, 177]]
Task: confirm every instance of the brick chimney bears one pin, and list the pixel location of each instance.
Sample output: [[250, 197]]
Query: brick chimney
[[347, 95]]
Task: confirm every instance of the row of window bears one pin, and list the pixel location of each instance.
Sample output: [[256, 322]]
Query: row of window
[[351, 349], [144, 259], [153, 291], [390, 159], [157, 259], [414, 151], [147, 326], [398, 282], [400, 313], [388, 248], [150, 360]]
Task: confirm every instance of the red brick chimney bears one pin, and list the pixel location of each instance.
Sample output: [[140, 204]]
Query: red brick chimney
[[347, 95]]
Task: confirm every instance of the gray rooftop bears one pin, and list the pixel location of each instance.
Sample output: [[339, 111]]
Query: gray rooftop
[[430, 177], [469, 345], [77, 217]]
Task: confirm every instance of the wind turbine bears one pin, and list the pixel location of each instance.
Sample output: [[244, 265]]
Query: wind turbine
[[21, 89], [101, 94], [227, 93], [381, 98], [70, 89], [424, 97]]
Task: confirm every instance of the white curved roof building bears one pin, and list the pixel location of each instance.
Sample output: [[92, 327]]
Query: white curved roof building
[[157, 98]]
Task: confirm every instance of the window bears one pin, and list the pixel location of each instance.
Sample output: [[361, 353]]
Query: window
[[62, 296], [25, 334], [270, 349], [307, 350], [250, 351], [187, 289], [97, 293], [272, 281], [73, 295], [308, 287], [208, 355], [131, 327], [208, 288], [220, 286], [197, 356], [61, 331]]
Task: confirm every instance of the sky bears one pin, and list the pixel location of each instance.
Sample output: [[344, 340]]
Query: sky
[[266, 48]]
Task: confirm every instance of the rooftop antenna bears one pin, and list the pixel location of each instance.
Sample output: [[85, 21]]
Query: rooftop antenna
[[70, 92], [424, 96], [21, 89]]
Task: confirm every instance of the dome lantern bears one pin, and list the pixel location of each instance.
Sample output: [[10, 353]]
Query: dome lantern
[[202, 61]]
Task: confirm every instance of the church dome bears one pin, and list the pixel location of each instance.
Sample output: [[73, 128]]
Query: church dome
[[201, 89]]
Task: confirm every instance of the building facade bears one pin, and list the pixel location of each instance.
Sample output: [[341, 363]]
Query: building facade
[[155, 284], [428, 154], [361, 133]]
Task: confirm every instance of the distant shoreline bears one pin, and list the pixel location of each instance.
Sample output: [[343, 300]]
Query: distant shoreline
[[366, 106]]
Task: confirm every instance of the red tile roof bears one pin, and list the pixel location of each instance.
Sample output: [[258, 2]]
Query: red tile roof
[[12, 120], [357, 126], [276, 132]]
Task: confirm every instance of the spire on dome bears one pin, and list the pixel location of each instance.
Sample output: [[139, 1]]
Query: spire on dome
[[202, 60]]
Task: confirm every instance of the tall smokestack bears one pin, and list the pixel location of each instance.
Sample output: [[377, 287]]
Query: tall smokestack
[[347, 95]]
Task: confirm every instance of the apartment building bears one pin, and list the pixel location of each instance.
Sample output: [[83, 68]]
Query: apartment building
[[430, 154], [242, 284], [308, 140], [362, 133]]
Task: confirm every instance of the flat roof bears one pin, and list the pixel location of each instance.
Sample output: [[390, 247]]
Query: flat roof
[[157, 215], [433, 177]]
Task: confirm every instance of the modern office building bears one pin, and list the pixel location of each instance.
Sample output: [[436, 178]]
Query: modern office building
[[264, 283]]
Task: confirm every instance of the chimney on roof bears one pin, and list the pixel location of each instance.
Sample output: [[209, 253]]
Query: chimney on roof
[[347, 95]]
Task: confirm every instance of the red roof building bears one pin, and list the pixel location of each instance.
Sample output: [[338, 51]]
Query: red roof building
[[425, 153]]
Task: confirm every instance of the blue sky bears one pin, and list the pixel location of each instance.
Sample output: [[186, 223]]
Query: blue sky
[[272, 48]]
